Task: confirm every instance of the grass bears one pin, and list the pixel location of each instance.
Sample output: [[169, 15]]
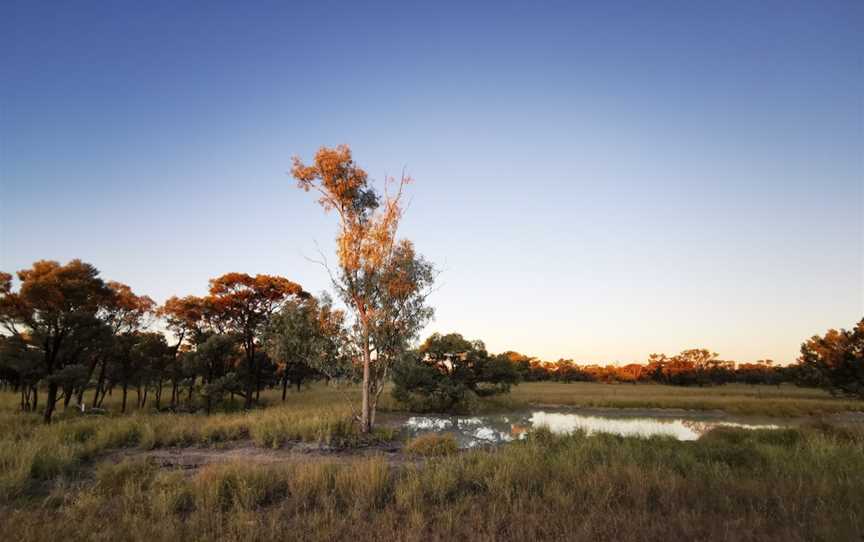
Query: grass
[[432, 445], [31, 453], [786, 400], [793, 484], [805, 483]]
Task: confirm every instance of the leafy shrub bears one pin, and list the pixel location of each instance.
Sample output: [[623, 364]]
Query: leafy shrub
[[448, 369]]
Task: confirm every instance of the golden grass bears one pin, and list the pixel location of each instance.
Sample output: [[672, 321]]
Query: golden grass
[[793, 484], [740, 399], [31, 452], [432, 445]]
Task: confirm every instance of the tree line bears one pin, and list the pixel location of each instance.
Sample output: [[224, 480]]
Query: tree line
[[66, 330], [834, 361], [692, 367]]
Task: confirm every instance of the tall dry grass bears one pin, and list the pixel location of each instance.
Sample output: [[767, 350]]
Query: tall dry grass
[[792, 484], [32, 453]]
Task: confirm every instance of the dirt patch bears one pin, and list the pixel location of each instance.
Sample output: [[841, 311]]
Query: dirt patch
[[849, 417], [247, 452]]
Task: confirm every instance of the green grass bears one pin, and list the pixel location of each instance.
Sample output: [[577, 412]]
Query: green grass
[[324, 394], [740, 399], [31, 453], [793, 484]]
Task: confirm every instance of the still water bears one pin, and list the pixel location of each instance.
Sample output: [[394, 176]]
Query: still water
[[471, 431]]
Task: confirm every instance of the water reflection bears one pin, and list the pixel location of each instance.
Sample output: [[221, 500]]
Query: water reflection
[[472, 431]]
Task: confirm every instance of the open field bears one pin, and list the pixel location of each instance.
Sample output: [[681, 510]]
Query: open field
[[740, 399], [240, 476]]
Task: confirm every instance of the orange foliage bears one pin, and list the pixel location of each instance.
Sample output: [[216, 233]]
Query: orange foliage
[[368, 225]]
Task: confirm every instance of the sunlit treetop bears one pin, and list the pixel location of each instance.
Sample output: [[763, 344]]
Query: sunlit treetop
[[242, 302], [5, 283], [343, 185], [126, 311], [49, 292], [369, 221]]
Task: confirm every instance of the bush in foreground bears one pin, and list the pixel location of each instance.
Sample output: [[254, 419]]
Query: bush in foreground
[[432, 445]]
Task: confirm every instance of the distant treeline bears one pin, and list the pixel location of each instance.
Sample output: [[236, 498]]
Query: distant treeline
[[695, 367], [834, 361]]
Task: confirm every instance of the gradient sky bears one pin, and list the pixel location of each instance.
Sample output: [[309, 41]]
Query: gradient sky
[[596, 181]]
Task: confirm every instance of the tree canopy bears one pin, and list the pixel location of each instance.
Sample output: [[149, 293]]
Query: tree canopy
[[838, 359], [54, 313]]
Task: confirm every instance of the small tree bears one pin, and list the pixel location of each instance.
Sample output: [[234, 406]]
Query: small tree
[[150, 355], [838, 360], [241, 304], [303, 340], [214, 357], [521, 363], [185, 319], [446, 368], [381, 279], [124, 313], [53, 312], [699, 363], [22, 368]]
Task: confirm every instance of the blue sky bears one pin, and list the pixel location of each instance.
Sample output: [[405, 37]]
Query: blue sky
[[596, 181]]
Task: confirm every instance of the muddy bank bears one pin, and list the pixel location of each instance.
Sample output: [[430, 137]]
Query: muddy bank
[[192, 458]]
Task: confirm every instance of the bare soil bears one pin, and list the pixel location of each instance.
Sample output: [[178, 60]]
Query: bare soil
[[193, 458]]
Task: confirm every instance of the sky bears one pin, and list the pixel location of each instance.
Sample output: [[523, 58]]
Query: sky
[[594, 180]]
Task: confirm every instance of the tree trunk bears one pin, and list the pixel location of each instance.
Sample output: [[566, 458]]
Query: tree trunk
[[125, 393], [91, 370], [159, 393], [366, 407], [284, 387], [174, 392], [100, 384], [52, 399], [106, 390], [250, 377]]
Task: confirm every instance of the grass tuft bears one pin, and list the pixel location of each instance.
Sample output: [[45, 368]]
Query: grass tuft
[[432, 445]]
